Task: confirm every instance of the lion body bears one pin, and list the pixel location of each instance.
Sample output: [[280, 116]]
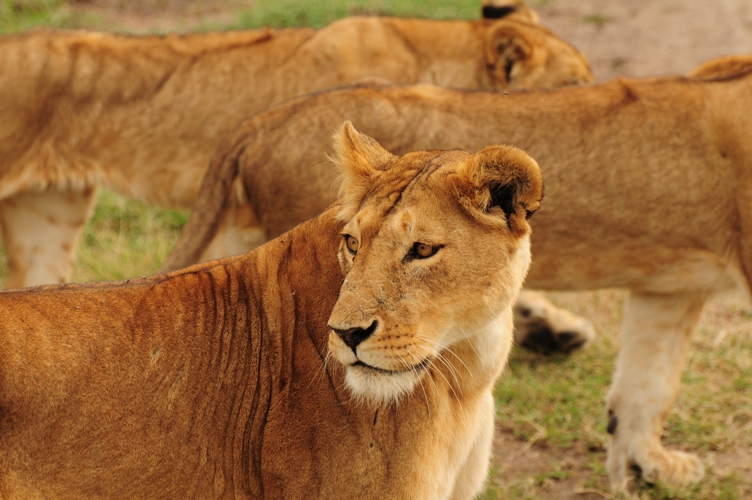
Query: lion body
[[214, 382], [142, 115], [647, 188]]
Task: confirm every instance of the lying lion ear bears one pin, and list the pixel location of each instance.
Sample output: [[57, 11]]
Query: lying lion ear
[[509, 9], [359, 159], [503, 181], [506, 47]]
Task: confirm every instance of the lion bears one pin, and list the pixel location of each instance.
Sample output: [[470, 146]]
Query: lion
[[646, 189], [333, 362], [142, 115]]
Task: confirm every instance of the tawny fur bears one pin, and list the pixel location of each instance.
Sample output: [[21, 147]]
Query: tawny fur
[[215, 382], [142, 115], [647, 188]]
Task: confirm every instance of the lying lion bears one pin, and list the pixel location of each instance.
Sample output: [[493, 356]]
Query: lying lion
[[646, 189], [142, 115], [215, 381]]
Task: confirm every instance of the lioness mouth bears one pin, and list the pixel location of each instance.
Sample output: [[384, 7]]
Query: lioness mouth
[[415, 368]]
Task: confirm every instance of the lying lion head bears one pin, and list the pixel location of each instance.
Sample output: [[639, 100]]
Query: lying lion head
[[430, 266]]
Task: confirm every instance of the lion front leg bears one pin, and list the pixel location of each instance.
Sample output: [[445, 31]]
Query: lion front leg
[[654, 341], [474, 472], [40, 234], [542, 327]]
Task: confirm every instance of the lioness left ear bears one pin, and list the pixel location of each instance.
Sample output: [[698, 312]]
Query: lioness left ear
[[359, 159], [508, 9], [503, 179], [506, 47]]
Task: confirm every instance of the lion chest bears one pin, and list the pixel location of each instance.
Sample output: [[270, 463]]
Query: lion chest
[[320, 446]]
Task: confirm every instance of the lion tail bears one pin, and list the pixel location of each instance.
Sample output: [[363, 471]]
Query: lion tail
[[212, 201]]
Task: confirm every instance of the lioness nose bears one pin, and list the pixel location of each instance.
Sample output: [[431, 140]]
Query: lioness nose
[[354, 336]]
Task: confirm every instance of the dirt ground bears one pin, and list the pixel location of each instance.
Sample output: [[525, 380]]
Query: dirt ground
[[651, 37]]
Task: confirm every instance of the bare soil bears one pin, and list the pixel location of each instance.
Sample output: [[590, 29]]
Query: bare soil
[[641, 38]]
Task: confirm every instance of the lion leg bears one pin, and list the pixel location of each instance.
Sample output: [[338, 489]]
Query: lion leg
[[40, 233], [474, 471], [541, 326], [654, 341], [239, 230]]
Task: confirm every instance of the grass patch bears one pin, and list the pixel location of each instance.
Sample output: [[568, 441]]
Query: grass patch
[[21, 15], [598, 20], [291, 13], [125, 239]]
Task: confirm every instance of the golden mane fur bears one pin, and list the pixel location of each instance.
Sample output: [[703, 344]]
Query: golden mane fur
[[647, 188], [142, 115], [215, 381]]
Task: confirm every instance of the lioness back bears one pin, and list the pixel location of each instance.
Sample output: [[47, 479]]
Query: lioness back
[[251, 378], [142, 115]]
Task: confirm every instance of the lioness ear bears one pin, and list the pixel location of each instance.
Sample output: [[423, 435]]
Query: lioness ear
[[509, 9], [359, 159], [503, 180], [507, 47]]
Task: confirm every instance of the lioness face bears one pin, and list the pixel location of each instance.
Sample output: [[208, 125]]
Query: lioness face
[[431, 259]]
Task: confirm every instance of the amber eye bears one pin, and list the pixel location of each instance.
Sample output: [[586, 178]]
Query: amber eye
[[352, 244], [423, 250]]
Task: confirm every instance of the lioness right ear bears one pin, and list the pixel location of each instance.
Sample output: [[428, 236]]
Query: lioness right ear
[[502, 180], [507, 47], [359, 158]]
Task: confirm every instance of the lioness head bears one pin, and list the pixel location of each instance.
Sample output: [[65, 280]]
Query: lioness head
[[521, 55], [434, 252]]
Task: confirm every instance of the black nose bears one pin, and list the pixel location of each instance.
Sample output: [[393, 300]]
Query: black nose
[[354, 336]]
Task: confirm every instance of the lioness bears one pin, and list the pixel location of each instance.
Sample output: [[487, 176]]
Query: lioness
[[142, 115], [214, 381], [647, 188]]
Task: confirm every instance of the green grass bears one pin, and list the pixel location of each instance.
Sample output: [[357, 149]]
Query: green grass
[[272, 13], [289, 13], [124, 239], [18, 16]]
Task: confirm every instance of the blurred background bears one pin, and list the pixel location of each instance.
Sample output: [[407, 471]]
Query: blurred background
[[551, 436]]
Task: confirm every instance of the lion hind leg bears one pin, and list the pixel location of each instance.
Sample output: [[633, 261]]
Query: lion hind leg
[[40, 233], [655, 338], [239, 230]]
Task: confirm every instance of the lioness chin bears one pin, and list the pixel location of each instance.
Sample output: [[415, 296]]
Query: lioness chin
[[215, 381], [647, 188], [142, 115]]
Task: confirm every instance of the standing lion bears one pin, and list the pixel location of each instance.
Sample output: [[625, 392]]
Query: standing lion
[[353, 357], [648, 188]]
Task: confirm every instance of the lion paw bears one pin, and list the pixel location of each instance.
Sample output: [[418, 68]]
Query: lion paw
[[542, 327], [675, 469]]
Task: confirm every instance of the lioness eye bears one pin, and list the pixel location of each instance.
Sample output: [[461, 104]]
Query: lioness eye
[[423, 251], [352, 244]]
